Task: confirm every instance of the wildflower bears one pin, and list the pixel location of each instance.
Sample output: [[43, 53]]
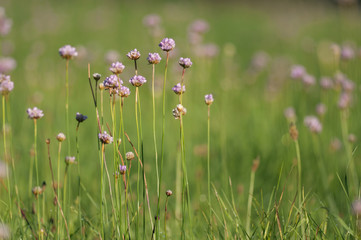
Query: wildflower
[[347, 85], [335, 145], [199, 26], [308, 80], [35, 113], [356, 207], [80, 117], [313, 124], [101, 86], [117, 68], [297, 72], [69, 160], [4, 77], [5, 24], [3, 172], [208, 99], [352, 138], [112, 82], [129, 156], [6, 87], [179, 89], [137, 80], [321, 109], [293, 131], [347, 52], [326, 83], [4, 231], [61, 137], [37, 191], [344, 100], [185, 62], [122, 169], [153, 58], [167, 44], [116, 174], [169, 193], [151, 20], [105, 138], [178, 111], [68, 52], [133, 54], [290, 114], [97, 76], [124, 91], [7, 64]]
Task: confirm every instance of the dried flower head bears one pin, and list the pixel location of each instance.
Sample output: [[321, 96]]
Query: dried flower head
[[133, 54], [35, 113], [122, 169], [69, 160], [179, 89], [112, 82], [37, 191], [178, 111], [169, 193], [6, 87], [124, 91], [153, 58], [167, 44], [129, 156], [137, 80], [101, 86], [7, 64], [293, 131], [297, 72], [105, 138], [97, 76], [80, 117], [68, 52], [313, 124], [208, 99], [61, 137], [185, 62], [117, 68]]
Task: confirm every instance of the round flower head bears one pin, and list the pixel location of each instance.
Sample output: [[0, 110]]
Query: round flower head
[[185, 62], [326, 83], [308, 80], [105, 138], [69, 160], [7, 64], [167, 44], [169, 193], [5, 23], [35, 113], [347, 52], [6, 87], [133, 54], [208, 99], [321, 109], [122, 169], [344, 101], [153, 58], [117, 68], [199, 26], [137, 80], [37, 191], [124, 91], [97, 76], [129, 156], [61, 137], [178, 111], [179, 89], [4, 77], [298, 71], [313, 124], [290, 114], [112, 82], [151, 20], [68, 52], [80, 117]]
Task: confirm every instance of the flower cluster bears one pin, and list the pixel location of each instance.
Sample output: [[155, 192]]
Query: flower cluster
[[124, 91], [68, 52], [133, 54], [179, 89], [80, 117], [7, 64], [185, 62], [6, 85], [35, 113], [178, 111], [117, 68], [154, 58], [112, 82], [167, 44], [122, 169], [105, 138], [61, 137], [208, 99], [313, 124], [69, 160], [5, 23], [137, 80]]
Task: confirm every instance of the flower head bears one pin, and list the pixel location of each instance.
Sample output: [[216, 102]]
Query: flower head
[[61, 137], [7, 64], [5, 24], [151, 20], [168, 193], [112, 82], [68, 52], [321, 109], [154, 58], [105, 138], [97, 76], [4, 77], [117, 68], [137, 80], [133, 54], [313, 124], [167, 44], [297, 72], [199, 26], [35, 113], [129, 156], [326, 83], [344, 101], [185, 62], [290, 114], [37, 191], [208, 99], [122, 169], [80, 117], [124, 91], [308, 80], [69, 160], [179, 89], [178, 111], [6, 87]]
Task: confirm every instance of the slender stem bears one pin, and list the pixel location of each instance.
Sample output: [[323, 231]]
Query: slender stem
[[162, 148], [65, 187], [102, 193], [59, 228], [67, 103], [249, 204], [37, 173], [138, 175], [79, 187], [300, 200], [165, 218], [154, 135], [208, 165]]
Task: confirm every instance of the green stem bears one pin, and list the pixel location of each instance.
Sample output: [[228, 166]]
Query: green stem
[[59, 228], [249, 204], [300, 200], [79, 187], [67, 103], [208, 165], [154, 135], [102, 193], [37, 172], [165, 218], [138, 174]]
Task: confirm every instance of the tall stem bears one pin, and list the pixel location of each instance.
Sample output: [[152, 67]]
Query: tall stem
[[154, 135], [300, 200], [249, 204], [59, 227], [79, 187], [67, 103], [102, 193], [138, 175], [208, 165], [37, 173]]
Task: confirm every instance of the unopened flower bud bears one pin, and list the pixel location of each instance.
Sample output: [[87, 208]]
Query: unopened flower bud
[[61, 137], [169, 193]]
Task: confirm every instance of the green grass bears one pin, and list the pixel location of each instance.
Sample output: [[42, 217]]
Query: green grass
[[247, 118]]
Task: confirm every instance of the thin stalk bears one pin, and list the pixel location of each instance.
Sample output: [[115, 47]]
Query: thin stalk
[[65, 191], [249, 204], [67, 103], [79, 188], [102, 193], [37, 172], [165, 218], [208, 165], [59, 228], [162, 148], [154, 135], [138, 175], [300, 200]]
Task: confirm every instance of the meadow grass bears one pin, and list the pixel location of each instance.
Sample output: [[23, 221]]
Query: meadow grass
[[238, 172]]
